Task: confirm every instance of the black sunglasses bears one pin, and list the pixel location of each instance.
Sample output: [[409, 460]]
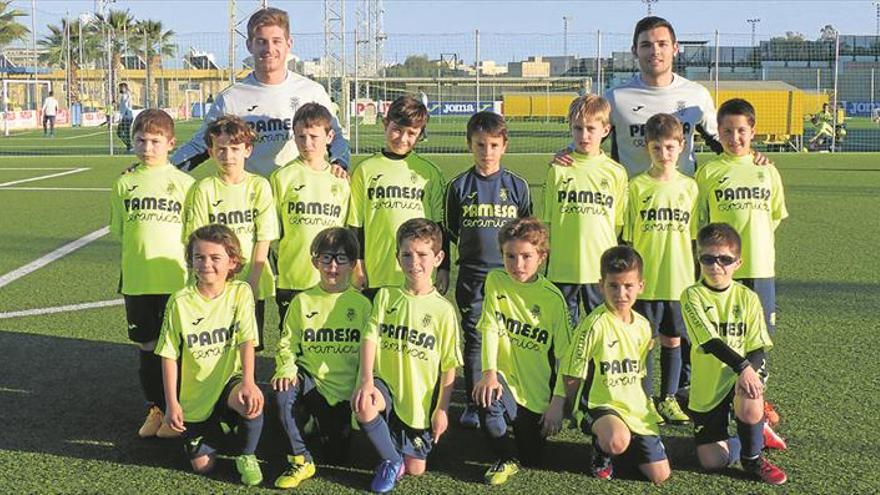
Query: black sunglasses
[[723, 260], [339, 258]]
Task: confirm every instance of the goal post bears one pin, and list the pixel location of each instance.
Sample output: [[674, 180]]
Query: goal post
[[17, 116]]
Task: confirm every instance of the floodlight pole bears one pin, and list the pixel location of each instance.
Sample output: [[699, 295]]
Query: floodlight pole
[[477, 65], [649, 4], [754, 22], [34, 48], [835, 101], [565, 20]]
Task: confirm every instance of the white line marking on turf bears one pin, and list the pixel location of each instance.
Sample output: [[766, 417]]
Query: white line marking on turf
[[54, 188], [54, 255], [61, 309], [96, 443], [84, 135], [41, 177], [14, 390], [36, 168]]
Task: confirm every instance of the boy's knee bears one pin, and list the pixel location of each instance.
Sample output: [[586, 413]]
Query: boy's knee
[[285, 399], [495, 425], [367, 414], [660, 473], [202, 464], [670, 342], [415, 467], [713, 457], [147, 346], [616, 445]]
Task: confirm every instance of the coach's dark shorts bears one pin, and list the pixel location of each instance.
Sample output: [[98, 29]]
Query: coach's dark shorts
[[410, 442], [665, 317], [712, 426], [643, 449], [145, 314], [205, 437], [766, 290]]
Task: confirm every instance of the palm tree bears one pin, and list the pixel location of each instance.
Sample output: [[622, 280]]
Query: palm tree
[[10, 29], [120, 23], [55, 45], [152, 42]]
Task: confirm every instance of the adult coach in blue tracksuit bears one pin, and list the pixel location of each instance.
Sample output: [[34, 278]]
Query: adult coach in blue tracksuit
[[478, 203]]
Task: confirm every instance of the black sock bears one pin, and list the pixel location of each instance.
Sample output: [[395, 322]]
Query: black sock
[[752, 439], [249, 431], [150, 373], [670, 369], [379, 435]]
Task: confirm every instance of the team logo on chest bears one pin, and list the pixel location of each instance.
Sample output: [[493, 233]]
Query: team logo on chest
[[294, 103], [170, 188], [604, 184], [503, 195], [536, 311], [350, 314], [413, 177], [426, 321], [680, 106]]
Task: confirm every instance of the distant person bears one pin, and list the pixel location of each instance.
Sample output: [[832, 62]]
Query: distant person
[[267, 99], [424, 97], [210, 98], [126, 116], [50, 109]]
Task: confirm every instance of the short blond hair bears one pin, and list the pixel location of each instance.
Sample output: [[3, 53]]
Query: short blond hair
[[269, 16], [589, 107]]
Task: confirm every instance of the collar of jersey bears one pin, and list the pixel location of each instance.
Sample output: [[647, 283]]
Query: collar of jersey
[[713, 289], [154, 170], [299, 161], [494, 175], [394, 156], [584, 159], [739, 160]]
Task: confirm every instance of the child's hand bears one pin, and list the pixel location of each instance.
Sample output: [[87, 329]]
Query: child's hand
[[762, 160], [749, 383], [364, 396], [174, 417], [338, 171], [439, 423], [562, 158], [488, 389], [551, 421], [282, 384], [252, 397], [442, 283]]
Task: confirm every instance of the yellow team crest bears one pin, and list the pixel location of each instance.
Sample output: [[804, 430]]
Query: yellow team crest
[[503, 194]]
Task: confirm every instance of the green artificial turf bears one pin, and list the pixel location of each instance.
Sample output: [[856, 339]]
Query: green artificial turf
[[70, 403]]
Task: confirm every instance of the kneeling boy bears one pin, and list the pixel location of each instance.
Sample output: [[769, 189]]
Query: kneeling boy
[[410, 350], [317, 360], [726, 326], [210, 329], [608, 350]]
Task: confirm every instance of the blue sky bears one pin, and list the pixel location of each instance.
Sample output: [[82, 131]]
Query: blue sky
[[195, 19]]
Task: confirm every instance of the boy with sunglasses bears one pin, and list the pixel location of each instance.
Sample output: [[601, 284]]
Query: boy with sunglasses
[[729, 341], [308, 199], [316, 365]]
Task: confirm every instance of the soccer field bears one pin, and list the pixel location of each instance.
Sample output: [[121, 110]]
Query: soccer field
[[70, 403]]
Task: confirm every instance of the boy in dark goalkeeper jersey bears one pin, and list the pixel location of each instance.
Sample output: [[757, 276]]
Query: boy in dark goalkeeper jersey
[[525, 329], [316, 363], [660, 225], [478, 203], [583, 206], [146, 208], [607, 353], [207, 346], [240, 200], [390, 188], [308, 199], [729, 340], [408, 359]]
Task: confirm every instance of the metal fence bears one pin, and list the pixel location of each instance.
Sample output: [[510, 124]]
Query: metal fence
[[529, 77]]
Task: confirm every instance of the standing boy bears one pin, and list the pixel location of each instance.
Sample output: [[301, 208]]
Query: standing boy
[[607, 353], [729, 341], [479, 202], [660, 225], [207, 350], [49, 110], [584, 206], [750, 199], [391, 187], [316, 364], [146, 208], [240, 200], [308, 199], [408, 361], [525, 329]]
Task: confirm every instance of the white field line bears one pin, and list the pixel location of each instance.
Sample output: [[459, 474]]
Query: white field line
[[41, 177], [84, 135], [35, 168], [61, 309], [54, 255], [54, 188]]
